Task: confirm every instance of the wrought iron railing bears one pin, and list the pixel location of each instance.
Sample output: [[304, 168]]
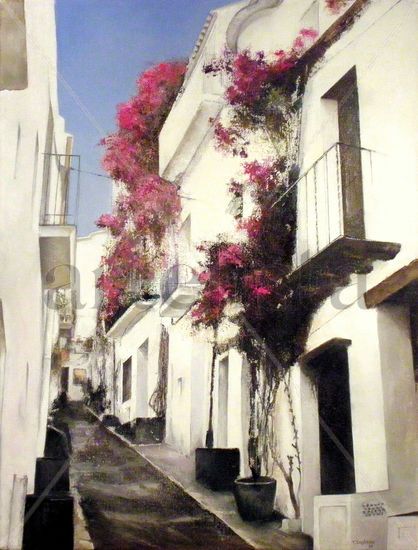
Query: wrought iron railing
[[330, 199], [61, 189], [178, 275]]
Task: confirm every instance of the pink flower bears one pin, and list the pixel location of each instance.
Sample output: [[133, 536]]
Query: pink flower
[[112, 222], [217, 295], [263, 175], [232, 255], [252, 226], [259, 283], [335, 6], [261, 291], [203, 277], [303, 41]]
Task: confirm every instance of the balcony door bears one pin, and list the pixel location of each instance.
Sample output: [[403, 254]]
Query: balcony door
[[345, 93]]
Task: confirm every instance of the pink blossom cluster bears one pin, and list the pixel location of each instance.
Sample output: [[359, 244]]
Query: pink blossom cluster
[[152, 205], [132, 151], [252, 74], [258, 283], [209, 309], [149, 204], [231, 255], [114, 223], [264, 175], [228, 139], [335, 6], [252, 226]]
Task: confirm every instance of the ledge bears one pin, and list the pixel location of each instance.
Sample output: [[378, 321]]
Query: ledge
[[131, 315], [400, 286], [180, 300], [346, 255]]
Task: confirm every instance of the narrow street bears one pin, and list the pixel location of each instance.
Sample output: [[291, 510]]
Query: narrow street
[[128, 504]]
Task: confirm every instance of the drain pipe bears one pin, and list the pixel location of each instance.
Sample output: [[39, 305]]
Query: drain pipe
[[241, 19]]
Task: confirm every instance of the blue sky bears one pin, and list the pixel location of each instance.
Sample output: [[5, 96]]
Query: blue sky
[[102, 46]]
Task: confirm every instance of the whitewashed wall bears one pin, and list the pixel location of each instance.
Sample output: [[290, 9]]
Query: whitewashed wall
[[90, 249], [26, 348]]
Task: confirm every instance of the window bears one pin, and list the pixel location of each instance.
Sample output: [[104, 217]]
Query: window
[[79, 377], [127, 380], [13, 57]]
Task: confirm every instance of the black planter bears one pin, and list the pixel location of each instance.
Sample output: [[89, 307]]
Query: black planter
[[143, 431], [216, 468], [148, 430], [50, 523], [52, 473], [126, 430], [255, 499], [110, 420]]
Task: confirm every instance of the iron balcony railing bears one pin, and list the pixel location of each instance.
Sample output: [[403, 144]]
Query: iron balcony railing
[[178, 275], [330, 199], [57, 219], [61, 189]]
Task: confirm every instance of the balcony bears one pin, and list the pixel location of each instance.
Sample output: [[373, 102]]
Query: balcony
[[57, 252], [132, 315], [179, 290], [331, 223]]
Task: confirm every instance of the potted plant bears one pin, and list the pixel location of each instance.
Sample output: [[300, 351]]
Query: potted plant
[[216, 468], [255, 495]]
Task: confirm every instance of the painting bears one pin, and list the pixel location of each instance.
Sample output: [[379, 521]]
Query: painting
[[209, 281]]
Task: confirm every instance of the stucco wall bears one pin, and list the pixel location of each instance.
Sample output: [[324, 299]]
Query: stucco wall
[[89, 251], [24, 377]]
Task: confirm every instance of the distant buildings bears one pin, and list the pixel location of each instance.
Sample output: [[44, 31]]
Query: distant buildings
[[37, 244]]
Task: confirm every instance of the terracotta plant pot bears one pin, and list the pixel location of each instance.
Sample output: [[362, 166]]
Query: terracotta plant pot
[[217, 468], [255, 499]]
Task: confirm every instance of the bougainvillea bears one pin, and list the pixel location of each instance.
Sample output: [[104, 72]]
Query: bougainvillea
[[147, 205], [259, 90], [254, 275], [275, 304], [335, 6]]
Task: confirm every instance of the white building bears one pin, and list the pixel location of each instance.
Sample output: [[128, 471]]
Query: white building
[[36, 243], [363, 339]]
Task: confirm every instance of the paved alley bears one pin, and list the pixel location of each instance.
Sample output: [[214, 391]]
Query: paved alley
[[128, 504]]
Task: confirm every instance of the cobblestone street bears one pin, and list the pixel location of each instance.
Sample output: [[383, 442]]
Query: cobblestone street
[[128, 504]]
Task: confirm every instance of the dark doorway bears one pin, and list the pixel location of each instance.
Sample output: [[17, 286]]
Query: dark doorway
[[345, 93], [330, 371], [64, 379], [127, 380]]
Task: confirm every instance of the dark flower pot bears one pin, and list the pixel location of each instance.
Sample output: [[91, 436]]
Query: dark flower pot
[[217, 469], [255, 499], [49, 522], [52, 473], [148, 430], [110, 420], [126, 430]]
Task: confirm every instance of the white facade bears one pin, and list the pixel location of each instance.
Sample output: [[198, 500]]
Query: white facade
[[90, 249], [376, 339], [36, 245]]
